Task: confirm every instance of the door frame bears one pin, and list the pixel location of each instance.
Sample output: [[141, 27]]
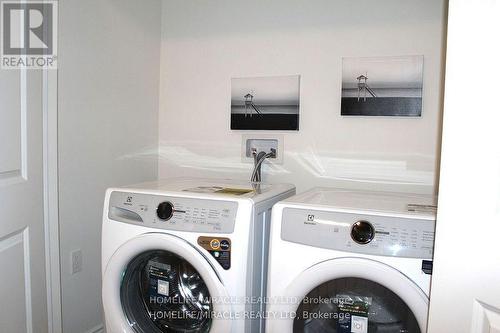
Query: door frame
[[51, 194], [51, 200]]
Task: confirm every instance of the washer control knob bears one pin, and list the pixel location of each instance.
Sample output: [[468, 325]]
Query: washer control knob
[[165, 210], [362, 232]]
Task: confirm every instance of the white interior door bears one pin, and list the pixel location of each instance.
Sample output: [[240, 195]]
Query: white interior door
[[23, 290], [465, 295]]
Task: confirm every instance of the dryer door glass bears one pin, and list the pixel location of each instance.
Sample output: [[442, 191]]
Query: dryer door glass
[[353, 305], [162, 292]]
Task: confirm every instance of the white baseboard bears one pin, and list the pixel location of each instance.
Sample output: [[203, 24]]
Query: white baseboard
[[97, 329]]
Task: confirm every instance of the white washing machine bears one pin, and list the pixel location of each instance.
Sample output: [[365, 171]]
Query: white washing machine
[[186, 255], [348, 261]]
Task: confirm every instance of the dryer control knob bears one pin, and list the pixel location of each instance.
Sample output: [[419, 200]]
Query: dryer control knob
[[362, 232], [165, 210]]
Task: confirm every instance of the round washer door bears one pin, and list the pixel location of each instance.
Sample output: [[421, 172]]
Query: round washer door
[[331, 296], [159, 283]]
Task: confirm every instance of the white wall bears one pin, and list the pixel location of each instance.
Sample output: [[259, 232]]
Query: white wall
[[108, 109], [205, 43]]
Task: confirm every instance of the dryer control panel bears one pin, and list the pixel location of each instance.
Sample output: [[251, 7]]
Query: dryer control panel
[[360, 233], [173, 213]]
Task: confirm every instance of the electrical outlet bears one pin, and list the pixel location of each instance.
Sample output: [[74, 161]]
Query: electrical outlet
[[76, 261]]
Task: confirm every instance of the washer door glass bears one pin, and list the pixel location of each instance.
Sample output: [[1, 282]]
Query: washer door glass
[[162, 292], [353, 305]]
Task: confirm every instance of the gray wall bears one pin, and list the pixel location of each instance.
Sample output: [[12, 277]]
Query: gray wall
[[205, 43], [108, 109]]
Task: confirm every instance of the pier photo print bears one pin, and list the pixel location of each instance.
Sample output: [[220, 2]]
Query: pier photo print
[[265, 103], [382, 86]]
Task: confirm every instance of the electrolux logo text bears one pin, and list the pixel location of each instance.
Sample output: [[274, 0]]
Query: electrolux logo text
[[28, 34]]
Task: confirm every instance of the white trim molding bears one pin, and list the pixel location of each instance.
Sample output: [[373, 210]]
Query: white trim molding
[[51, 200]]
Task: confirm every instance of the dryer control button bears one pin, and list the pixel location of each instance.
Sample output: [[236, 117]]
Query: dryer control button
[[362, 232], [165, 210]]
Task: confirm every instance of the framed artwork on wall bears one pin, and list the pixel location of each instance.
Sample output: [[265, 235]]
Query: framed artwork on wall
[[382, 86], [265, 103]]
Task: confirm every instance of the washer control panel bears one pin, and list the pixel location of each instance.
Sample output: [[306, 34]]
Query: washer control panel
[[173, 213], [410, 237]]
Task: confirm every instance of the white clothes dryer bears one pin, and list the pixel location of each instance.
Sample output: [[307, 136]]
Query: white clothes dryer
[[350, 261]]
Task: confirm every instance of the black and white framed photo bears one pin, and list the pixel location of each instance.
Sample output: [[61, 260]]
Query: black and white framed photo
[[265, 103], [382, 86]]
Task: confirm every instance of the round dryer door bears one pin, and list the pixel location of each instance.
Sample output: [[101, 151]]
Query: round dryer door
[[159, 283], [354, 295]]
